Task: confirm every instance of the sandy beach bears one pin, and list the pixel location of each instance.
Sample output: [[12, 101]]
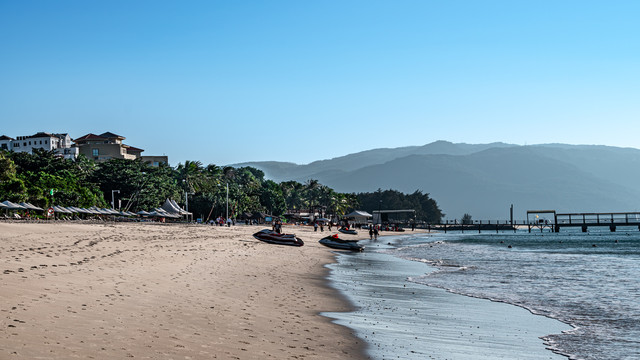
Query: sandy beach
[[165, 291]]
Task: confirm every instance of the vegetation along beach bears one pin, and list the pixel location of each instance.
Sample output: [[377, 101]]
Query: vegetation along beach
[[282, 179]]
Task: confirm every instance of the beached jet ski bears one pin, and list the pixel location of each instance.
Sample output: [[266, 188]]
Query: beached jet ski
[[333, 241], [348, 231], [273, 237]]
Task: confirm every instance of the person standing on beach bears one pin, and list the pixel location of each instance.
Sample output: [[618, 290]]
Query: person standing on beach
[[370, 232], [375, 232], [321, 227], [315, 226], [229, 221]]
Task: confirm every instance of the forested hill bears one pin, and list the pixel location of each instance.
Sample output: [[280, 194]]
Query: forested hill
[[484, 179]]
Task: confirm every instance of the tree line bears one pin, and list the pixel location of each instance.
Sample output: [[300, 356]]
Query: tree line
[[44, 179]]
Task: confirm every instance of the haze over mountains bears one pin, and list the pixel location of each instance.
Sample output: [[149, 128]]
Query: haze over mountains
[[485, 179]]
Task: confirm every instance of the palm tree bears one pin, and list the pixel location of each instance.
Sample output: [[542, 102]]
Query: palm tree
[[192, 175]]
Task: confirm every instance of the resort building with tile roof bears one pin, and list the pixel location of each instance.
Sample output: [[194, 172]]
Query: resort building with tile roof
[[98, 148], [108, 146]]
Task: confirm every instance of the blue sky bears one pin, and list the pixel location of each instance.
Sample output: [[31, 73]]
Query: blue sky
[[231, 81]]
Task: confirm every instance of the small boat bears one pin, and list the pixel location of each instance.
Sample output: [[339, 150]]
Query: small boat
[[333, 241], [273, 237], [348, 231]]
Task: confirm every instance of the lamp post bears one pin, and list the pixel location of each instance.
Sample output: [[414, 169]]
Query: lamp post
[[379, 213], [113, 201], [186, 203], [227, 200]]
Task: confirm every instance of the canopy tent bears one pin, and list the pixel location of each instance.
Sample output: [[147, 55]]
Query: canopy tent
[[358, 213], [3, 206], [162, 213], [358, 216], [175, 205], [171, 208]]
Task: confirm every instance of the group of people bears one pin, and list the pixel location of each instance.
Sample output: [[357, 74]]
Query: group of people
[[220, 221], [373, 232], [320, 224]]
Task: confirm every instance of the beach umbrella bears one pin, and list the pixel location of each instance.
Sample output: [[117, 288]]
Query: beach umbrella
[[98, 211], [3, 206], [35, 207], [28, 206], [60, 209], [143, 213], [11, 206]]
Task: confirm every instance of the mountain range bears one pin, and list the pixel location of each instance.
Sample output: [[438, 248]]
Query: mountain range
[[483, 180]]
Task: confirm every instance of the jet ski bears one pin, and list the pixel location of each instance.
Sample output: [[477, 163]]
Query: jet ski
[[273, 237], [348, 231], [333, 241]]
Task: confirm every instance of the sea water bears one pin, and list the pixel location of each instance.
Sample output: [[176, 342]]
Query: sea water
[[588, 282]]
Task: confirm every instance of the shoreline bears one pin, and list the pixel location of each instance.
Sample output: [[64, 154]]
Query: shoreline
[[76, 290], [398, 316]]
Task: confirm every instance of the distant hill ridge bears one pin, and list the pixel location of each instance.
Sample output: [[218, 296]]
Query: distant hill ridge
[[484, 179]]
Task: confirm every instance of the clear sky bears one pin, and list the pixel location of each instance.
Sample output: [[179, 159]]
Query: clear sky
[[232, 81]]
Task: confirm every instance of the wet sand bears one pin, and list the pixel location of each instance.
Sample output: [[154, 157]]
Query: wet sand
[[154, 291], [403, 319]]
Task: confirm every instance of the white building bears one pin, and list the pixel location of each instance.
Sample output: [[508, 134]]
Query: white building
[[5, 142], [58, 143]]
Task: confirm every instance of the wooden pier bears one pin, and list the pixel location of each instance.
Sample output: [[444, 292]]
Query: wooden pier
[[476, 225], [584, 220], [545, 220]]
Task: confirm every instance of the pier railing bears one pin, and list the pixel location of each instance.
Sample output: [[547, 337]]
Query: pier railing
[[549, 220]]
